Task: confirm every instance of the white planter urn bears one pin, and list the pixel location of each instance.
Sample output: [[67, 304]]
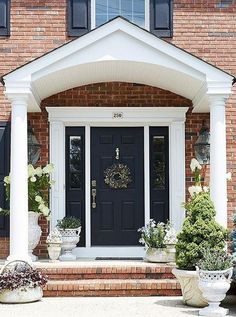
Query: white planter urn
[[171, 252], [156, 255], [21, 295], [54, 251], [214, 285], [161, 255], [192, 295], [70, 237], [34, 233]]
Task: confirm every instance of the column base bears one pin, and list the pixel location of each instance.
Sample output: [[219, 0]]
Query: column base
[[19, 257]]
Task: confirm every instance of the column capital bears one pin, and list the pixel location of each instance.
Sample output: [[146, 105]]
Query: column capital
[[217, 100], [18, 99]]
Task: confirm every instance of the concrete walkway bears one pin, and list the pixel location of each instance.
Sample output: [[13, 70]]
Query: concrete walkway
[[107, 307]]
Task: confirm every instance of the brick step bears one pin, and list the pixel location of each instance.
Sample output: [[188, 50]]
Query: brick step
[[113, 287], [112, 272]]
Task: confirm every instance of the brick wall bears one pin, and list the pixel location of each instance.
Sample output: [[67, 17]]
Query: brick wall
[[205, 28]]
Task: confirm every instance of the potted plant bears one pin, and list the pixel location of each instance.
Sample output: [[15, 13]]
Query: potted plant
[[199, 232], [233, 249], [20, 283], [54, 242], [69, 228], [158, 239], [38, 184], [214, 271]]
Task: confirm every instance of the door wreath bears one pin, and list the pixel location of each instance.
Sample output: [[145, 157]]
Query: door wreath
[[117, 176]]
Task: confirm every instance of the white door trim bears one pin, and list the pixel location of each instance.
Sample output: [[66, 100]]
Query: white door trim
[[173, 117]]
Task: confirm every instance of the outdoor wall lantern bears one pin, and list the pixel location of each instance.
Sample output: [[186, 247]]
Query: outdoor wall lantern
[[202, 145], [33, 147]]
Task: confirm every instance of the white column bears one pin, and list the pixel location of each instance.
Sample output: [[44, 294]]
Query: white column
[[19, 182], [218, 158]]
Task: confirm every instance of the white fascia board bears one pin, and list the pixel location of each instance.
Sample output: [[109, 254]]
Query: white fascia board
[[130, 29]]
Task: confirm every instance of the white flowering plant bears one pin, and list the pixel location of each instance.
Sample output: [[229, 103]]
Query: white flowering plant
[[157, 235], [197, 188], [39, 182], [54, 237]]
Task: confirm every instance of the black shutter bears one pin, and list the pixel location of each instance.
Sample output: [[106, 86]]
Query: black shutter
[[4, 17], [4, 170], [161, 17], [78, 17]]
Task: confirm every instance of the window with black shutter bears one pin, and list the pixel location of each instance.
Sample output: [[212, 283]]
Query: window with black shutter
[[4, 17], [161, 17], [161, 14], [79, 18]]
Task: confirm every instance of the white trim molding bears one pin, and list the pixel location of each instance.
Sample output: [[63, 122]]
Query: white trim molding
[[173, 117], [106, 54]]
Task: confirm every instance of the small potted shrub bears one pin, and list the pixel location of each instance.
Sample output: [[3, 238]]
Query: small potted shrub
[[158, 239], [215, 271], [54, 242], [20, 283], [200, 231], [69, 228]]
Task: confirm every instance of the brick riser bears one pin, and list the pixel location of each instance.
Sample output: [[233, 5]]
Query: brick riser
[[112, 281], [111, 288], [112, 293], [103, 276], [158, 272]]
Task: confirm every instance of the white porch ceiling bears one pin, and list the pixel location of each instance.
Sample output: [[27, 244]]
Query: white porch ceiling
[[118, 51]]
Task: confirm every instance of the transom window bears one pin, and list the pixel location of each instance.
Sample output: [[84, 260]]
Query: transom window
[[133, 10]]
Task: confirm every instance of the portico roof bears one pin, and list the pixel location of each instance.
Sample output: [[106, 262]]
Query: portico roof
[[118, 51]]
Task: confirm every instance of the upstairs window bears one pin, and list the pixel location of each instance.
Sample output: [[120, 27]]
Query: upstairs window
[[152, 15], [4, 17], [132, 10]]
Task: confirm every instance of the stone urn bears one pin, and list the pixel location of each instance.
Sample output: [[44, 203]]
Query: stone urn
[[157, 255], [214, 285], [70, 237], [192, 295], [54, 251], [34, 233], [171, 252], [54, 242]]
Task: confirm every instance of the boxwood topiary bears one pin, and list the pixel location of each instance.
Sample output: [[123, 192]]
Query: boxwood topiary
[[200, 231]]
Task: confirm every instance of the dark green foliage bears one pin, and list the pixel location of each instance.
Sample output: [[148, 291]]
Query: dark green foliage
[[200, 231], [68, 223]]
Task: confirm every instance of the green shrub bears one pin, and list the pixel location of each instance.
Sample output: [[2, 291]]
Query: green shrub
[[68, 223], [200, 231]]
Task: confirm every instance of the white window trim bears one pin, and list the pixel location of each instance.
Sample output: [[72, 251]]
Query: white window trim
[[173, 117], [147, 14]]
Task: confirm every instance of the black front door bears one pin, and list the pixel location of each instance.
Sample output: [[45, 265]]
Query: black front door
[[117, 185]]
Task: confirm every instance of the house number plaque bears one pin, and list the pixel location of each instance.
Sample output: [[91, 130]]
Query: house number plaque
[[117, 115]]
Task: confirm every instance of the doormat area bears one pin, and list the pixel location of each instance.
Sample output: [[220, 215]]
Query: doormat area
[[118, 259]]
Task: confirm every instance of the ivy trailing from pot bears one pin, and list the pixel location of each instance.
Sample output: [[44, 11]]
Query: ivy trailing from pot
[[20, 283]]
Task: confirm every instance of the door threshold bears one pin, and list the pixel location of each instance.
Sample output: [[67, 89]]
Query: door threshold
[[110, 252]]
